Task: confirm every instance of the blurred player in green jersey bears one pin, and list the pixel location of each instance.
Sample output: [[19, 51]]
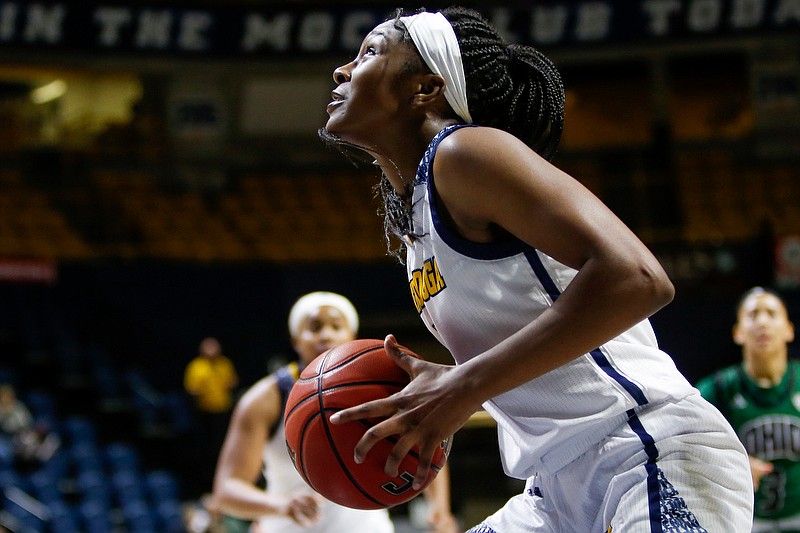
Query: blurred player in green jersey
[[761, 399]]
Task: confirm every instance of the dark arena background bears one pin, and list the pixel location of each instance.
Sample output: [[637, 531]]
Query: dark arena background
[[161, 181]]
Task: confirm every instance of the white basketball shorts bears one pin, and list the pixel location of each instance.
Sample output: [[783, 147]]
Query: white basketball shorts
[[673, 467]]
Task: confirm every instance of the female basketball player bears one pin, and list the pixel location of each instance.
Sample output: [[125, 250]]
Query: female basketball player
[[537, 289], [759, 397], [317, 322]]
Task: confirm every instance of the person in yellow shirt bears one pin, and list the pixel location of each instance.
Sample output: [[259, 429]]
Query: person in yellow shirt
[[211, 379]]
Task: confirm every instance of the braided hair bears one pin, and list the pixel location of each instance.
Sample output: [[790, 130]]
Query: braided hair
[[511, 87]]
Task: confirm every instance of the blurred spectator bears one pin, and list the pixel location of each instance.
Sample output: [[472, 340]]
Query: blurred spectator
[[210, 378], [34, 446], [14, 414], [15, 417]]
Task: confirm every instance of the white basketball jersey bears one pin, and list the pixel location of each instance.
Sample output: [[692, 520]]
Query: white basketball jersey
[[282, 478], [472, 296]]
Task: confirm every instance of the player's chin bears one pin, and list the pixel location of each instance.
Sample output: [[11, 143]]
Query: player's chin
[[327, 136], [340, 120], [334, 125], [320, 348], [334, 134]]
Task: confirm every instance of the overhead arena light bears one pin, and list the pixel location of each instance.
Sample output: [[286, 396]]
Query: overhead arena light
[[51, 91]]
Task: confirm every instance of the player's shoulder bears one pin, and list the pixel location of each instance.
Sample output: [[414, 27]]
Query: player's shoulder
[[724, 376], [260, 397], [729, 373], [477, 157], [483, 151], [469, 141]]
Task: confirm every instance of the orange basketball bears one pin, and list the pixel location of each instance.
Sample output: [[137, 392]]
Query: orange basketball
[[345, 376]]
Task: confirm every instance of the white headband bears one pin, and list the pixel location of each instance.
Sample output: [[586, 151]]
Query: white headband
[[311, 302], [436, 41]]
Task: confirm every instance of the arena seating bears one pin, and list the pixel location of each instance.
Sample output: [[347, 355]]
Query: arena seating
[[92, 483], [306, 218]]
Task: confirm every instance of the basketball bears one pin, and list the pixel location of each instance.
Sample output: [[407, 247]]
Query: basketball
[[348, 375]]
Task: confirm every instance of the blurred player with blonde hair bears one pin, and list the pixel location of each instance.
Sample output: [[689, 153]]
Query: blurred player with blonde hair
[[255, 441]]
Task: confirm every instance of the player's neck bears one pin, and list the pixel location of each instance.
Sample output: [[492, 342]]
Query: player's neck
[[766, 374]]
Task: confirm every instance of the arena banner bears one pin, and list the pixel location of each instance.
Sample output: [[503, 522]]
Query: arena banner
[[292, 31], [17, 270]]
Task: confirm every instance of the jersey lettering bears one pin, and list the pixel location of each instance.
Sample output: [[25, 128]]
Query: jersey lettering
[[393, 488], [772, 493], [425, 283], [772, 437]]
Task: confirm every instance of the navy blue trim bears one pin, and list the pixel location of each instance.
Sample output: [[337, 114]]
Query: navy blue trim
[[653, 488], [599, 357], [426, 164], [286, 376], [631, 387], [481, 528], [541, 273], [508, 248], [475, 250]]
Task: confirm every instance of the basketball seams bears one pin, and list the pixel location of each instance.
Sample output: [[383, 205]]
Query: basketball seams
[[338, 364], [301, 449], [350, 359], [343, 466], [336, 380], [355, 384], [326, 426], [298, 403]]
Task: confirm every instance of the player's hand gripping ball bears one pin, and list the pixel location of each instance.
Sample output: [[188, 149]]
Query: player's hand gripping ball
[[348, 375]]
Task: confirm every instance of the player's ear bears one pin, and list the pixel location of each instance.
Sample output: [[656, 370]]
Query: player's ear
[[429, 88], [738, 335]]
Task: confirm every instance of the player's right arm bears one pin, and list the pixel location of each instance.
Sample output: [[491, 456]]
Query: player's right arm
[[759, 469], [235, 492], [490, 187]]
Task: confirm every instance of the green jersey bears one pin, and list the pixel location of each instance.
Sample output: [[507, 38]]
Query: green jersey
[[767, 422]]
